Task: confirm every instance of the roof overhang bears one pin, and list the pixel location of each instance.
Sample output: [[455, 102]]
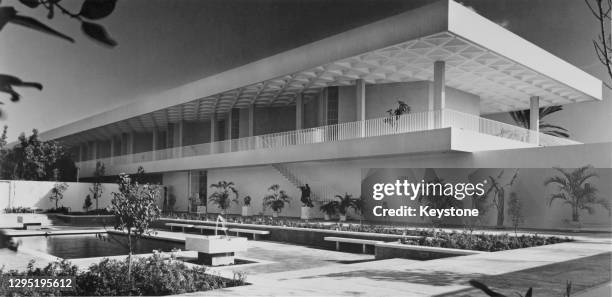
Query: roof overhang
[[482, 58]]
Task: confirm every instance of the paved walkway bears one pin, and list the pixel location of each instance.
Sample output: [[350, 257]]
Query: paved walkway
[[285, 269]]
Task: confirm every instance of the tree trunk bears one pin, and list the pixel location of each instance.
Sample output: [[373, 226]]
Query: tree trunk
[[575, 214], [130, 257], [500, 208]]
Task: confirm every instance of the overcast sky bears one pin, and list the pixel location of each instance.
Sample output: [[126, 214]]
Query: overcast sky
[[164, 43]]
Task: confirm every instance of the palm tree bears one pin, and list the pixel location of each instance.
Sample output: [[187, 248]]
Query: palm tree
[[221, 196], [395, 114], [576, 191], [345, 202], [276, 200], [521, 118]]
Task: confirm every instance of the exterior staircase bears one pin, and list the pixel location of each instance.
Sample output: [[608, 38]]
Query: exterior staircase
[[319, 192]]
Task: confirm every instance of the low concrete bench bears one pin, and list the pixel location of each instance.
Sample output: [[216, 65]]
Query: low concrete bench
[[32, 226], [250, 231], [179, 225], [204, 227], [363, 242]]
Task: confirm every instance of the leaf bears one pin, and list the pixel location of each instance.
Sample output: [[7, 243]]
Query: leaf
[[6, 14], [38, 26], [97, 9], [98, 33], [30, 3]]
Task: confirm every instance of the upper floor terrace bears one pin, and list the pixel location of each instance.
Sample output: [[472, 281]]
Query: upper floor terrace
[[315, 98], [421, 132]]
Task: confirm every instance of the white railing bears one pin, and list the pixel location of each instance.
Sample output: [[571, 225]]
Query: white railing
[[419, 121]]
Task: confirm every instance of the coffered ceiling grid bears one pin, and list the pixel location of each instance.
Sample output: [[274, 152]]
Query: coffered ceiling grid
[[502, 84]]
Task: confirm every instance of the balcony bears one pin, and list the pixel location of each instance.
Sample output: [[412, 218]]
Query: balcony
[[449, 130]]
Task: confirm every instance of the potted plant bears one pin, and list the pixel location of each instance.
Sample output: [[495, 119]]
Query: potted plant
[[345, 202], [306, 202], [246, 203], [276, 200], [329, 209], [221, 196], [575, 189]]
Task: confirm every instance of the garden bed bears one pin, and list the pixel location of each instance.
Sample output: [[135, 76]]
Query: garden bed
[[86, 220], [313, 234]]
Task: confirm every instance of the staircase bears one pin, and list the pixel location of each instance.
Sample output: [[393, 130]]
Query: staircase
[[319, 192]]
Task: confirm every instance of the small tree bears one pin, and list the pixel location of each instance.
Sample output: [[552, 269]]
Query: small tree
[[87, 203], [57, 193], [575, 190], [515, 211], [499, 189], [135, 209], [276, 200], [97, 189], [222, 195]]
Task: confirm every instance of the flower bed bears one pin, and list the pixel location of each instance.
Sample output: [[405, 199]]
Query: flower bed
[[152, 276], [425, 237]]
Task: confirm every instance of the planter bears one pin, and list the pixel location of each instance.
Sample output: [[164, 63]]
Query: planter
[[326, 217], [245, 211], [342, 218], [216, 250], [305, 213], [275, 214]]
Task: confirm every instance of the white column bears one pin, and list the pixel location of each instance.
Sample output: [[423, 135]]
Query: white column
[[360, 88], [112, 149], [213, 132], [94, 150], [439, 94], [154, 141], [252, 120], [228, 126], [299, 111], [81, 153], [177, 139], [323, 108], [534, 118]]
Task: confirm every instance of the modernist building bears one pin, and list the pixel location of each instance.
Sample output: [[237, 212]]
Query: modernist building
[[317, 114]]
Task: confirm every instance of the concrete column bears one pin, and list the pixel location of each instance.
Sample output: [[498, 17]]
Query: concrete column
[[94, 150], [360, 89], [130, 143], [154, 144], [439, 91], [299, 111], [228, 125], [177, 139], [323, 108], [534, 118], [112, 149], [252, 120], [213, 132], [81, 153]]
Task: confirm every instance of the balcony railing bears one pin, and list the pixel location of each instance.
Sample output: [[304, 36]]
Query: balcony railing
[[413, 122]]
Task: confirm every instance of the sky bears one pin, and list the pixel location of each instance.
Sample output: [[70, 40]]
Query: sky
[[167, 43]]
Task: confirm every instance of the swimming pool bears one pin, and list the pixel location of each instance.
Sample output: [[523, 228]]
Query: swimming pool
[[91, 245]]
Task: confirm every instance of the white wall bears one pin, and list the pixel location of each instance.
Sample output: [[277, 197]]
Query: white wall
[[254, 182], [35, 194], [178, 185]]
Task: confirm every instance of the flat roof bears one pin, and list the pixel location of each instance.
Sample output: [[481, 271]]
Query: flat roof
[[482, 58]]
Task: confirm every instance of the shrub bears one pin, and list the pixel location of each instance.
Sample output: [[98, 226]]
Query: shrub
[[153, 276]]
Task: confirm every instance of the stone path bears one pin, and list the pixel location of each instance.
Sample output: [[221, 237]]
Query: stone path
[[285, 269]]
